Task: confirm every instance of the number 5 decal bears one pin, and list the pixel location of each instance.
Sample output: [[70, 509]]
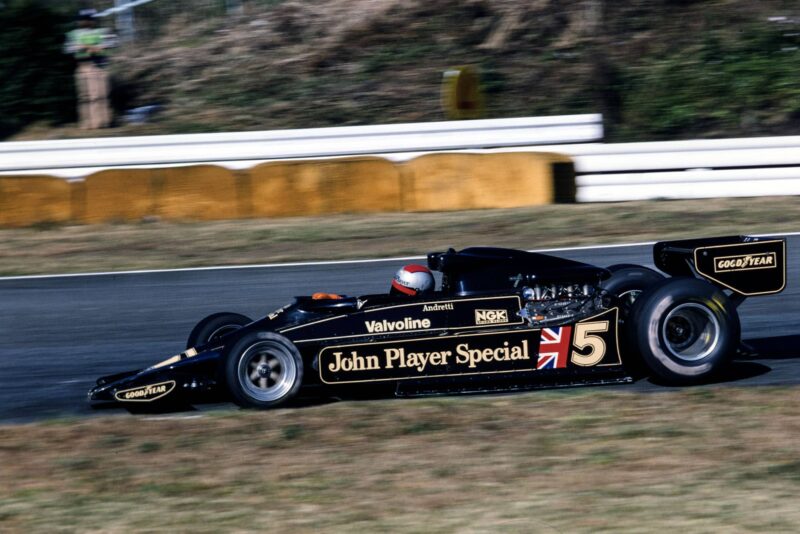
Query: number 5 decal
[[584, 338]]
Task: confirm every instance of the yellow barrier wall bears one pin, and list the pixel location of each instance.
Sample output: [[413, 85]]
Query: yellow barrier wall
[[119, 195], [470, 181], [26, 200], [203, 192], [347, 185], [279, 189]]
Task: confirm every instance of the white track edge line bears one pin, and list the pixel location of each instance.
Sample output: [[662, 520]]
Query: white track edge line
[[319, 263], [279, 265]]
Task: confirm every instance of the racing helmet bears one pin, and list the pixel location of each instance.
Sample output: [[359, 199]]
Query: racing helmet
[[412, 280]]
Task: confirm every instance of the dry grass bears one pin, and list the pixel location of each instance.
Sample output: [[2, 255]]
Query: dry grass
[[61, 249], [705, 459]]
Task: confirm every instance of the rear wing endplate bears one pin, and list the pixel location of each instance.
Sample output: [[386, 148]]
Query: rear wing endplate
[[746, 265]]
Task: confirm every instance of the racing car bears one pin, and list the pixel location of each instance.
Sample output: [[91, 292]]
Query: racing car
[[501, 320]]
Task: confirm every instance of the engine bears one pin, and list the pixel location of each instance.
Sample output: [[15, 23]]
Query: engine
[[549, 304]]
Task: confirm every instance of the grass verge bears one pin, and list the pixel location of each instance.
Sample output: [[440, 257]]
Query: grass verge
[[152, 245], [702, 459]]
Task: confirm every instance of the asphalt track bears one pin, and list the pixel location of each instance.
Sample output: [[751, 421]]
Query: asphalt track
[[57, 334]]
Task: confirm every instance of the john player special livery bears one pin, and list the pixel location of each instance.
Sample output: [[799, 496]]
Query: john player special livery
[[501, 320]]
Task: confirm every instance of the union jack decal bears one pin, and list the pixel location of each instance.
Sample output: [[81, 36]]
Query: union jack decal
[[554, 347]]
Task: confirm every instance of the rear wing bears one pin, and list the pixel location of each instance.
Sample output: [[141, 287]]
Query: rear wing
[[746, 265]]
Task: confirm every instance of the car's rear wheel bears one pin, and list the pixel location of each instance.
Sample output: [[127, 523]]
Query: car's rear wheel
[[263, 370], [685, 329], [215, 326], [627, 282]]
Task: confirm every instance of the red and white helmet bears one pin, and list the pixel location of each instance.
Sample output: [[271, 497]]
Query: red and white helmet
[[412, 280]]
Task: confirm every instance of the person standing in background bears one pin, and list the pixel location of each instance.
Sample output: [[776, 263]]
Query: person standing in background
[[89, 45]]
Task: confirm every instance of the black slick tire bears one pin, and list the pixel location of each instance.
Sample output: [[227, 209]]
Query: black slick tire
[[627, 282], [262, 370], [215, 326], [685, 330]]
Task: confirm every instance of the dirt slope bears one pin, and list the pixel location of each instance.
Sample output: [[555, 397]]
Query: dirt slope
[[656, 69]]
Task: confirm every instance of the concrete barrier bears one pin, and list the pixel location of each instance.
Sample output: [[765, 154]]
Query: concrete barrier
[[26, 200], [293, 188], [471, 181]]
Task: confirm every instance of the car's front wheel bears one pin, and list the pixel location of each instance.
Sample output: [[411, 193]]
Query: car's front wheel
[[685, 330], [263, 370], [215, 326]]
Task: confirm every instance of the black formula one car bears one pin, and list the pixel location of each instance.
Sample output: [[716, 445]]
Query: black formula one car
[[502, 320]]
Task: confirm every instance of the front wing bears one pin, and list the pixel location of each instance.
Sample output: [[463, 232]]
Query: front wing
[[186, 377]]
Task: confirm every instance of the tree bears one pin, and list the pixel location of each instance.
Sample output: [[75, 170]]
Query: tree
[[37, 77]]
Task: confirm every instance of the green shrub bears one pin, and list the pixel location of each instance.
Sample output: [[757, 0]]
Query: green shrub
[[716, 86]]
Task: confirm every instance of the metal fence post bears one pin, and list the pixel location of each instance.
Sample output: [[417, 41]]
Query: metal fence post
[[126, 28], [234, 7]]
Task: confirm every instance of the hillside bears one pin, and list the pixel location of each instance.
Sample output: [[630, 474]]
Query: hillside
[[656, 69]]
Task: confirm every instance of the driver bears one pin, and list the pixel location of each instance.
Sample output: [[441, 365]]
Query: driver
[[412, 280]]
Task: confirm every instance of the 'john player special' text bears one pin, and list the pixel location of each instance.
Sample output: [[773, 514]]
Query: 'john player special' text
[[457, 355], [420, 360]]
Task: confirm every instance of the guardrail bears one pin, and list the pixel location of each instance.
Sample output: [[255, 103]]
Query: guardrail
[[605, 172], [81, 157], [686, 169]]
